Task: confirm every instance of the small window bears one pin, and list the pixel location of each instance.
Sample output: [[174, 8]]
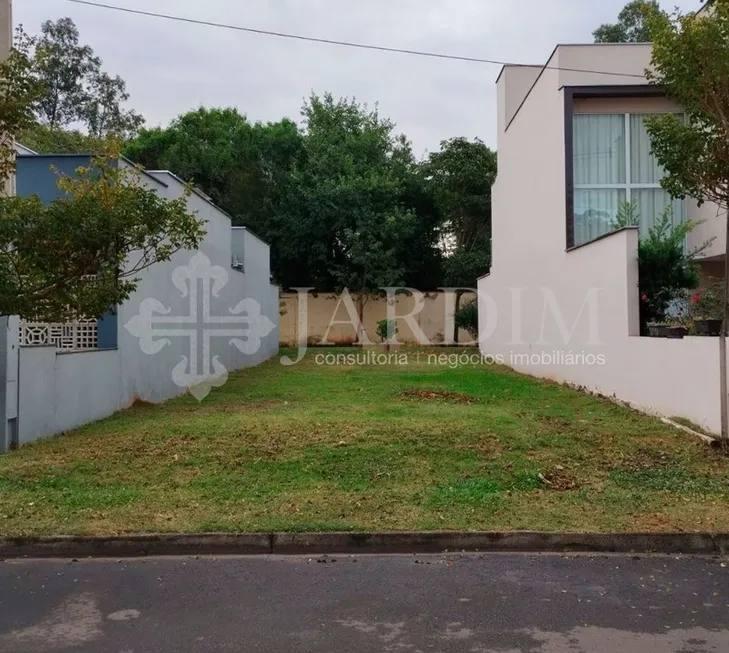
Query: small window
[[613, 164]]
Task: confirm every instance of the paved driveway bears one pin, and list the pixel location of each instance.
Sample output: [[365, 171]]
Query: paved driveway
[[474, 604]]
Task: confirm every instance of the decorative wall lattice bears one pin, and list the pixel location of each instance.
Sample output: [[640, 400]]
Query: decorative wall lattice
[[79, 335]]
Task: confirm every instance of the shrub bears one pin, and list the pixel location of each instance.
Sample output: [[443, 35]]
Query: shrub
[[386, 329], [466, 318], [666, 267], [708, 304]]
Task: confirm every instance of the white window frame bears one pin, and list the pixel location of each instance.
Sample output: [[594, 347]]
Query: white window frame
[[628, 187]]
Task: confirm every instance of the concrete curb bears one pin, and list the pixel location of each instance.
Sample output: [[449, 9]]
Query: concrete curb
[[363, 543]]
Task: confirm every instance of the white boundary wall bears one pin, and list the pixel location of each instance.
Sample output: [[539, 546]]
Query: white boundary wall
[[57, 391], [534, 301]]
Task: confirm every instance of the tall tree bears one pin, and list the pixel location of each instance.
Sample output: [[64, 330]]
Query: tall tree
[[19, 90], [350, 191], [691, 62], [462, 174], [76, 89], [288, 185], [632, 26], [45, 140], [47, 252], [199, 146], [104, 113], [245, 168], [63, 66]]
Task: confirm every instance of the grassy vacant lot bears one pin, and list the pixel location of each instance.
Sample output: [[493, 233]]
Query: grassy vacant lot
[[416, 446]]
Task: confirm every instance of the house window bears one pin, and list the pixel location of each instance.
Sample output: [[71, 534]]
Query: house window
[[613, 164]]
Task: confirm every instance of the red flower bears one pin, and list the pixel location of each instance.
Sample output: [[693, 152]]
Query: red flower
[[696, 299], [644, 297]]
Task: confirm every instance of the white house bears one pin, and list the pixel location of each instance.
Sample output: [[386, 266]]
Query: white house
[[56, 377], [562, 298]]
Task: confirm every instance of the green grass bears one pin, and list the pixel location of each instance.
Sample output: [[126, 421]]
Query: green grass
[[396, 447]]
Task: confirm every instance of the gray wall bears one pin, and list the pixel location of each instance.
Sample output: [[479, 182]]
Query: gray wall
[[61, 391], [35, 176]]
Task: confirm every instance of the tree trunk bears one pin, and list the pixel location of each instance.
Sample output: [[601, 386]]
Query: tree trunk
[[360, 314], [722, 349], [459, 294]]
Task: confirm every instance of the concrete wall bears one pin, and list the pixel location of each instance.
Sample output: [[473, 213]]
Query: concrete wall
[[542, 304], [61, 391], [36, 177], [435, 320], [514, 83]]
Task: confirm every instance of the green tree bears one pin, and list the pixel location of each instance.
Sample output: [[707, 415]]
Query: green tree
[[632, 26], [691, 62], [72, 257], [421, 253], [349, 193], [288, 185], [82, 254], [63, 66], [247, 169], [76, 89], [198, 146], [46, 140], [462, 174], [666, 268], [104, 112], [19, 90]]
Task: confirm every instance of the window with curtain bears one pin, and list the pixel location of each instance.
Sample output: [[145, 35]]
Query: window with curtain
[[613, 164]]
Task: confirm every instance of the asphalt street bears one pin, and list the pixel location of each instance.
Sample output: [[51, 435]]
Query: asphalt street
[[494, 603]]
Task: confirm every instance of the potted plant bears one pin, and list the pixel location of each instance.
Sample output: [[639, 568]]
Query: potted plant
[[677, 327], [666, 269], [708, 307], [675, 317], [673, 328]]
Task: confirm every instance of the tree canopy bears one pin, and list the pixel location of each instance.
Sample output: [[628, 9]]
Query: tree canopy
[[78, 102], [633, 24], [71, 257], [461, 175], [341, 197], [691, 62]]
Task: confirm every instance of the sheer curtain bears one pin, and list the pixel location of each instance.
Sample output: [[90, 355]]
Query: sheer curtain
[[604, 178], [599, 160], [644, 169]]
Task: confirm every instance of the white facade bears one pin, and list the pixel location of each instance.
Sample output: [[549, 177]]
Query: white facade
[[47, 391], [572, 314]]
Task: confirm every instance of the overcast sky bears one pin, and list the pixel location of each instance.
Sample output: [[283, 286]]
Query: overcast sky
[[171, 67]]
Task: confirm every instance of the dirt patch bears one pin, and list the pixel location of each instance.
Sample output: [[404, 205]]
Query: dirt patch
[[140, 403], [559, 480], [558, 423], [655, 523], [436, 395], [642, 458]]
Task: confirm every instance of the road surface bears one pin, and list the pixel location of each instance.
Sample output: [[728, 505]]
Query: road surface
[[433, 604]]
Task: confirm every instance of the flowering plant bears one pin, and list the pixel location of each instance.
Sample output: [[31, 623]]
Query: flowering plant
[[708, 304]]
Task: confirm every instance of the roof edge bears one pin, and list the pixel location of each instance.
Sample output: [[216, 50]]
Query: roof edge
[[207, 199]]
